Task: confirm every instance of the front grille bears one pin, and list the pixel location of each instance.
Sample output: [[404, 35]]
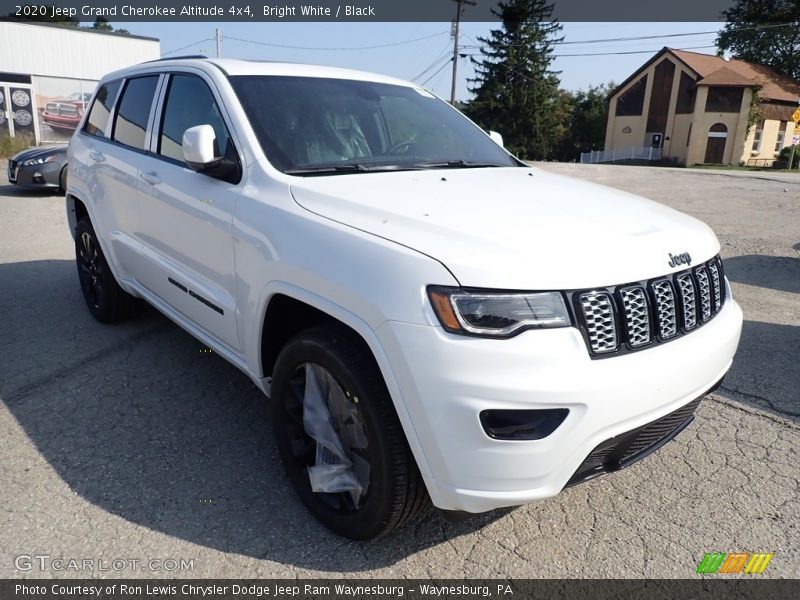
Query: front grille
[[631, 317], [55, 108], [626, 449]]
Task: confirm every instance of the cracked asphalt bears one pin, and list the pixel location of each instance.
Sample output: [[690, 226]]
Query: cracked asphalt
[[129, 442]]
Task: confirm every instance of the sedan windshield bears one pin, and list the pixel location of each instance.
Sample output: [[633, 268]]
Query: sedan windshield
[[320, 126]]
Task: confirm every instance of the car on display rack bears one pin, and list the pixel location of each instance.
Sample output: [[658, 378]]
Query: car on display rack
[[431, 318], [44, 167]]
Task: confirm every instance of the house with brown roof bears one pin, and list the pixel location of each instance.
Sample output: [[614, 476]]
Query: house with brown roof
[[695, 108]]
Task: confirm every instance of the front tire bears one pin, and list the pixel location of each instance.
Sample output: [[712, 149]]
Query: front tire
[[106, 300], [62, 180], [329, 371]]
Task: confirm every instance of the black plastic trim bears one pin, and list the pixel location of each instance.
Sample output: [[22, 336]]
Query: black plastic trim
[[613, 450]]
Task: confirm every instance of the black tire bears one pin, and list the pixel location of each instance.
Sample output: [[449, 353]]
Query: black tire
[[394, 490], [62, 180], [107, 302]]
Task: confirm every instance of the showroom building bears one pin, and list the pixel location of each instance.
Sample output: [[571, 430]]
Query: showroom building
[[48, 73]]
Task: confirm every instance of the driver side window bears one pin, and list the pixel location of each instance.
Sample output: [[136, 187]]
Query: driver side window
[[189, 103]]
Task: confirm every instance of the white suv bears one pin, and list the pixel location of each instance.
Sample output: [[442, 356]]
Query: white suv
[[431, 317]]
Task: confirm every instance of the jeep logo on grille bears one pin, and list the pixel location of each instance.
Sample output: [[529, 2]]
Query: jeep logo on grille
[[679, 259]]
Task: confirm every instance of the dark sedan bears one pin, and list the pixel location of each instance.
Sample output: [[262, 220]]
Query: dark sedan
[[44, 167]]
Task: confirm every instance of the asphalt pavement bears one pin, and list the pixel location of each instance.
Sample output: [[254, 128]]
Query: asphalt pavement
[[130, 443]]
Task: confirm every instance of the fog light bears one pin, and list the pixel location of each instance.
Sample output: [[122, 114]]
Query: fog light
[[522, 424]]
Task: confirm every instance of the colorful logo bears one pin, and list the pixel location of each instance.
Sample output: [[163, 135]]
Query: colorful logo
[[735, 562]]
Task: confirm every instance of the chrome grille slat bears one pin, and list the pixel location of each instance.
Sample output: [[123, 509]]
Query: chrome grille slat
[[701, 275], [637, 316], [598, 310], [688, 303], [715, 285], [665, 308], [631, 317]]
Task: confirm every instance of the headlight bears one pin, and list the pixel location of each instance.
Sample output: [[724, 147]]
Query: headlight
[[40, 161], [497, 314]]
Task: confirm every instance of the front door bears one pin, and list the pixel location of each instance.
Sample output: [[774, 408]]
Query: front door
[[185, 217], [715, 146]]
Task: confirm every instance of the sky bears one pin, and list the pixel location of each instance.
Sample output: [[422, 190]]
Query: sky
[[420, 51]]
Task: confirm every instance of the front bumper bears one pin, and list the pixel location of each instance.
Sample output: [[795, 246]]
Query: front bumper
[[36, 176], [447, 380]]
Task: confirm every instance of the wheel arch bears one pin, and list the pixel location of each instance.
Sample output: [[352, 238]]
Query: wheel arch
[[76, 210], [288, 306]]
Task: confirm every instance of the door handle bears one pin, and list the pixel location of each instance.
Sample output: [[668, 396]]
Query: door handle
[[97, 156], [152, 177]]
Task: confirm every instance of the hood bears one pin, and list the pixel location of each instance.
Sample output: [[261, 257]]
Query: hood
[[514, 228], [40, 151]]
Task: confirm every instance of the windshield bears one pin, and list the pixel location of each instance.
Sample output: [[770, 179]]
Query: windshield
[[311, 125]]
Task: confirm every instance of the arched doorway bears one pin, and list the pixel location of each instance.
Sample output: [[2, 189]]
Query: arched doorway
[[715, 146]]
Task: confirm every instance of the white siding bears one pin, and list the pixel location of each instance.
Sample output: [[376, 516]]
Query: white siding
[[57, 52]]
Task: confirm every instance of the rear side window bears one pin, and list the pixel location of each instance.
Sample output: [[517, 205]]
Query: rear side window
[[130, 123], [189, 103], [97, 123]]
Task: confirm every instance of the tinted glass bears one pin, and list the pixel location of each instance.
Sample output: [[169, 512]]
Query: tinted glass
[[97, 122], [130, 124], [307, 123], [189, 103]]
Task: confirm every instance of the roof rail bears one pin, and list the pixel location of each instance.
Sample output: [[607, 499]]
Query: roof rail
[[186, 57]]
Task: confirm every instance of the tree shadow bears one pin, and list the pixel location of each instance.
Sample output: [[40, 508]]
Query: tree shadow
[[780, 273], [141, 420], [766, 370]]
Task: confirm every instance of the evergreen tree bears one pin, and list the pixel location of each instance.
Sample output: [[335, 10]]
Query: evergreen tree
[[765, 32], [516, 92]]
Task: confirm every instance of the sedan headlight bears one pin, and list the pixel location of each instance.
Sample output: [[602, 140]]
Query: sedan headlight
[[499, 314], [40, 161]]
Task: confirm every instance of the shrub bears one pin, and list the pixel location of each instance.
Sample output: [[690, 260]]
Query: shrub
[[10, 146], [785, 155]]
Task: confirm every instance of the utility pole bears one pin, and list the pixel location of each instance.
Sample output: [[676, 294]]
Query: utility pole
[[454, 32], [219, 40]]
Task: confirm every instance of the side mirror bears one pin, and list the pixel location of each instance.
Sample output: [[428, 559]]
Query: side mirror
[[199, 144], [198, 148], [498, 139]]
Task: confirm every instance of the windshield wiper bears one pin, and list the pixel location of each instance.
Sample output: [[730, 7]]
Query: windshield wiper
[[328, 169], [455, 164]]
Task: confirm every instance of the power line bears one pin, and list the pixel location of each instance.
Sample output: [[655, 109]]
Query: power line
[[439, 70], [656, 37], [610, 53], [433, 65], [389, 45], [187, 46]]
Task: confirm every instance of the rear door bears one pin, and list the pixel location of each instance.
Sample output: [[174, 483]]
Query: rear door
[[117, 161], [185, 224]]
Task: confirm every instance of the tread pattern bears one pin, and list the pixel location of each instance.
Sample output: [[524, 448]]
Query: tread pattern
[[410, 495], [406, 495], [119, 305]]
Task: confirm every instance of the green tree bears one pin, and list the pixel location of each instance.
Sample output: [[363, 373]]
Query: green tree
[[516, 92], [765, 32], [585, 127], [102, 24]]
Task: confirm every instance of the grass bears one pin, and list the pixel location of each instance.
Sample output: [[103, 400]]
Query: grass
[[739, 168], [10, 146]]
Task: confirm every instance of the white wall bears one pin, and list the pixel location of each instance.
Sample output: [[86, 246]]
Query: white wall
[[57, 52]]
